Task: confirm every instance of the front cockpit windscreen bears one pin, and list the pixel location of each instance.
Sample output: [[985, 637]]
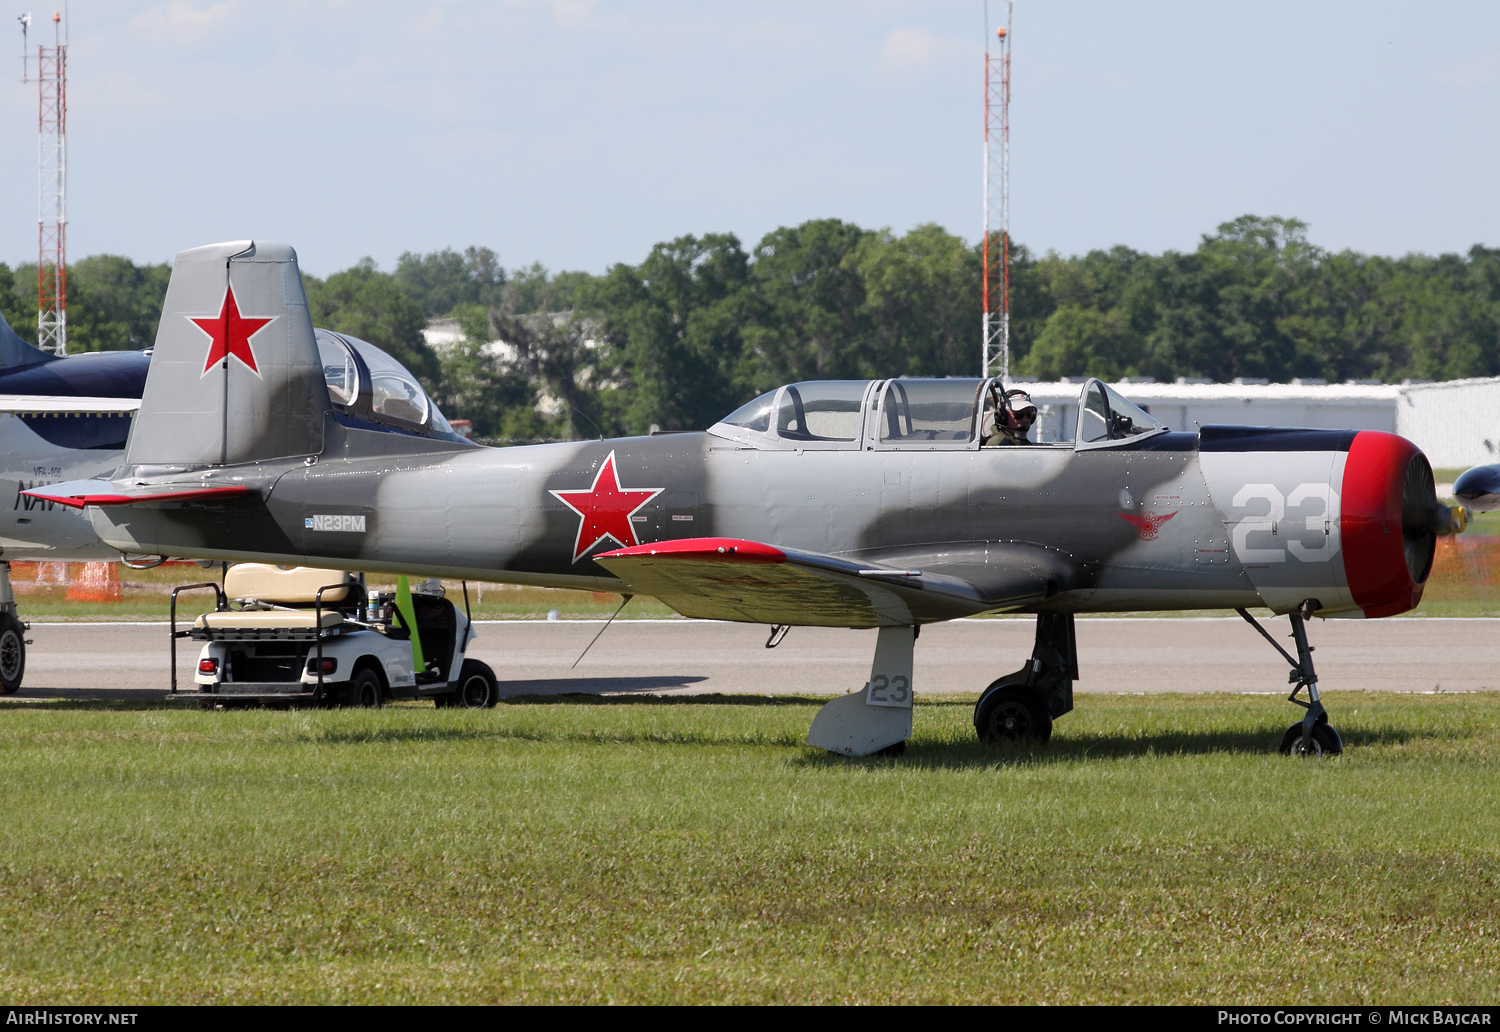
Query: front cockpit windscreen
[[367, 383], [1108, 416], [754, 415]]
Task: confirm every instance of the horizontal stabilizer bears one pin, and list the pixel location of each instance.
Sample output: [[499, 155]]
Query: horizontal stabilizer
[[55, 405], [78, 493], [748, 581]]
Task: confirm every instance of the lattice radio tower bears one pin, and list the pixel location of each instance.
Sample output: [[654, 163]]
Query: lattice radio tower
[[995, 356], [52, 184]]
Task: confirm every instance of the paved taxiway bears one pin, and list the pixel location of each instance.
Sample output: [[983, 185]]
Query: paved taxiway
[[682, 657]]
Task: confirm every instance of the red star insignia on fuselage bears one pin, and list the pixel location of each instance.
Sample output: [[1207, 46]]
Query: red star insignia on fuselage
[[230, 333], [1147, 523], [605, 508]]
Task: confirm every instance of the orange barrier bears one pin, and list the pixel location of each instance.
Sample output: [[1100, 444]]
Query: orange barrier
[[100, 582]]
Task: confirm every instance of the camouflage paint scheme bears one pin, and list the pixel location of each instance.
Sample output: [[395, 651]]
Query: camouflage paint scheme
[[1226, 518]]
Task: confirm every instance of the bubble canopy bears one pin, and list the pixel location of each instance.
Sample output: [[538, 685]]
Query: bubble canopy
[[916, 414], [368, 384]]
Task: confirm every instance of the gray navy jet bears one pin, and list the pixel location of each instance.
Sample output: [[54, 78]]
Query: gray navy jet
[[61, 418], [858, 503]]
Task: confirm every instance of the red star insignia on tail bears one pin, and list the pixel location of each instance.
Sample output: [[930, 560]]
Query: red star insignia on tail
[[1147, 523], [230, 333], [605, 508]]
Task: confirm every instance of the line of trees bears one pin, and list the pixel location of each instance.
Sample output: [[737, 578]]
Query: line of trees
[[702, 324]]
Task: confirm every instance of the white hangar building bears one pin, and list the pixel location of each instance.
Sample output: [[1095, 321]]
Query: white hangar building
[[1457, 423]]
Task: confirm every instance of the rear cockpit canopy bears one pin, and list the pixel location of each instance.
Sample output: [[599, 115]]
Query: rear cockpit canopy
[[368, 386], [950, 414]]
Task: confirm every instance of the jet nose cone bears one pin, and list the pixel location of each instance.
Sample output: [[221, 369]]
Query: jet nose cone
[[1479, 488]]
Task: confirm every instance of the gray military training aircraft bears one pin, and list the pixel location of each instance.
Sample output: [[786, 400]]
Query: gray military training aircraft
[[848, 503]]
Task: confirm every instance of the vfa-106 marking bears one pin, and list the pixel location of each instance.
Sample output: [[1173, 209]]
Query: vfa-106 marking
[[831, 503]]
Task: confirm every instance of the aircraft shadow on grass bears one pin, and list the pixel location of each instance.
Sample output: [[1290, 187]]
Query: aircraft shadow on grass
[[1072, 748], [545, 689]]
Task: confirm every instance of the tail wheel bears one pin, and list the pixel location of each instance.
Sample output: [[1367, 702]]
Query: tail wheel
[[12, 654], [365, 689], [1010, 714], [476, 686]]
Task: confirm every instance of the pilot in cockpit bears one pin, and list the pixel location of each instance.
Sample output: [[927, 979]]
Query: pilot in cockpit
[[1009, 417]]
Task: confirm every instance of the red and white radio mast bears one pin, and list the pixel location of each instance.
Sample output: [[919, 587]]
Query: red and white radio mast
[[995, 356], [52, 186]]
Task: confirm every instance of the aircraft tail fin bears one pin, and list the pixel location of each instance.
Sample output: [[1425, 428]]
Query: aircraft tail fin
[[235, 376], [15, 353]]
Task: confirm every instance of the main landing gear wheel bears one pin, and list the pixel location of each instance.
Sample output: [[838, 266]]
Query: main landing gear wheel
[[476, 686], [1324, 741], [12, 654], [1011, 714]]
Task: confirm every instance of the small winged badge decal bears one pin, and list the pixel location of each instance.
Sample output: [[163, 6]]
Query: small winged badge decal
[[1147, 523]]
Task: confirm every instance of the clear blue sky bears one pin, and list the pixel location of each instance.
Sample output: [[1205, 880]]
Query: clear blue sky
[[579, 133]]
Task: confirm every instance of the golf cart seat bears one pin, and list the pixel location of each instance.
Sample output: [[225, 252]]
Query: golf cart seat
[[279, 602], [269, 619], [291, 586]]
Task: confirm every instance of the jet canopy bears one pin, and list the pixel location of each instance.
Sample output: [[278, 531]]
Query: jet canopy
[[368, 386], [950, 414]]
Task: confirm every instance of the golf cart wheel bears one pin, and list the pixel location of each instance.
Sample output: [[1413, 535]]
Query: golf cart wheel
[[1009, 714], [365, 689], [476, 686], [1325, 741], [12, 654]]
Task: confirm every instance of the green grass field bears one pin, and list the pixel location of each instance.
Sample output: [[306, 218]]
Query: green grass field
[[695, 851]]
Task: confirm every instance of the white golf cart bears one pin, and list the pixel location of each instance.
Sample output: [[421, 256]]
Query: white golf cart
[[305, 636]]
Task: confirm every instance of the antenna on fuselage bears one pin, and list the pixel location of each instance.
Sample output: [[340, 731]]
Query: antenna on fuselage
[[585, 652], [593, 424]]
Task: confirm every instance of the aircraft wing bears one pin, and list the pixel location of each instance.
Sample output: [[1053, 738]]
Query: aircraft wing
[[78, 493], [56, 405], [752, 582]]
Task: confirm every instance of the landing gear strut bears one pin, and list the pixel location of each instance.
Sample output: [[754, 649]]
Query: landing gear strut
[[1020, 707], [1311, 736]]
